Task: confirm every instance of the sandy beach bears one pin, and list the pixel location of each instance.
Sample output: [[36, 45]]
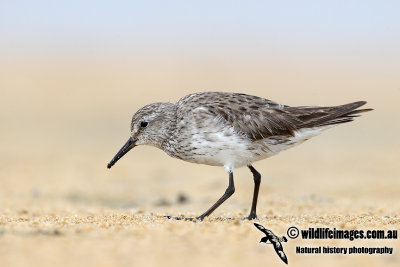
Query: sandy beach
[[73, 75], [60, 206]]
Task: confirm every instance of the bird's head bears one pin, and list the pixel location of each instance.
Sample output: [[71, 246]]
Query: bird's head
[[264, 239], [151, 125]]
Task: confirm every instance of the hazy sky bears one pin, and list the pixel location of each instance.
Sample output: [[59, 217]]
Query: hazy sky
[[198, 25], [56, 55]]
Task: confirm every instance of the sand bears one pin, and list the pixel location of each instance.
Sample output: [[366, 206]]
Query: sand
[[60, 206]]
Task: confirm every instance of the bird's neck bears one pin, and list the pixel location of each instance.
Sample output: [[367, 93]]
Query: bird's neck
[[168, 125]]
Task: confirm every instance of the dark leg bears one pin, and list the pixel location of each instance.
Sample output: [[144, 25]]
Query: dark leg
[[257, 181], [228, 192]]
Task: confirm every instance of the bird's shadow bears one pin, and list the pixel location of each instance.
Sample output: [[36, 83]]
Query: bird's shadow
[[196, 219]]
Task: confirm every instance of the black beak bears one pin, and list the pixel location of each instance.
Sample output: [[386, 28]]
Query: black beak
[[128, 146]]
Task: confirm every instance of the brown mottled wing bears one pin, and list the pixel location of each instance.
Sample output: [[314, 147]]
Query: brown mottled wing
[[259, 118], [259, 123], [253, 116]]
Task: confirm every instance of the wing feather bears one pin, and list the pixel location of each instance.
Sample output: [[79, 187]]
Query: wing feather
[[259, 118]]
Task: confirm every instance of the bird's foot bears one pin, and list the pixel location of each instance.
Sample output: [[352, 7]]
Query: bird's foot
[[200, 218], [252, 216]]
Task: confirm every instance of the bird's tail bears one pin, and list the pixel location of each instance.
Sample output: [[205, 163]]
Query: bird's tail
[[326, 116]]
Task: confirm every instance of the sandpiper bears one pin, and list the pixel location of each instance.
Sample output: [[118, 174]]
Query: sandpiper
[[230, 130]]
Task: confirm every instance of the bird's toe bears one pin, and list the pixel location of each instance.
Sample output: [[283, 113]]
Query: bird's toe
[[252, 216]]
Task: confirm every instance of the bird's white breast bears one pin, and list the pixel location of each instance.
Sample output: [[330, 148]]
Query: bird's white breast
[[225, 148], [207, 141]]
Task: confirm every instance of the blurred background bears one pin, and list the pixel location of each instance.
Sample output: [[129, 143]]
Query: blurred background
[[72, 73]]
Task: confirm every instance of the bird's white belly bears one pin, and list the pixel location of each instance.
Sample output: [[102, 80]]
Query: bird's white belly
[[207, 142], [233, 150], [220, 150]]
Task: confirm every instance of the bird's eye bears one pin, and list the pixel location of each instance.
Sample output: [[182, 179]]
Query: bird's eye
[[143, 124]]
